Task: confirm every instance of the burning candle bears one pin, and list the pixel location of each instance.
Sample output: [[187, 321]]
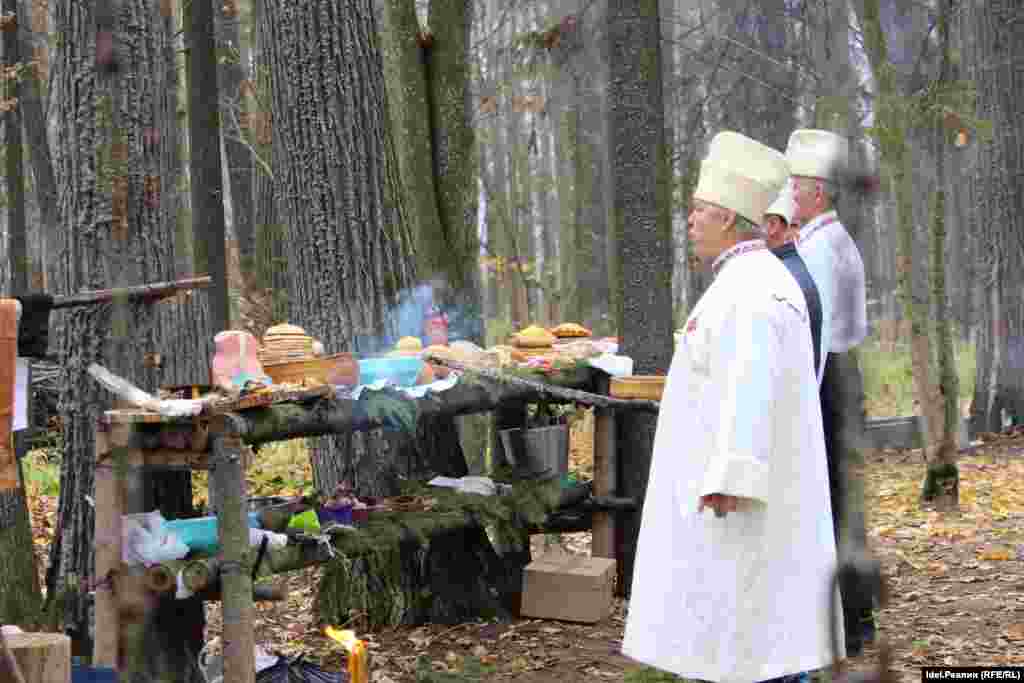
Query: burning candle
[[358, 666]]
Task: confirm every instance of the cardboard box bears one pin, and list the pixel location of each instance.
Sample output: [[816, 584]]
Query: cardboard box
[[568, 587]]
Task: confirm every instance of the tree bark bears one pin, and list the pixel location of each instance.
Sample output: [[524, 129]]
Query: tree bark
[[113, 169], [642, 202], [337, 172], [271, 241], [33, 117], [994, 58], [232, 67], [16, 230], [204, 144]]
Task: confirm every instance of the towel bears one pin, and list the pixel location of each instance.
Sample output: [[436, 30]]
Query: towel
[[34, 329]]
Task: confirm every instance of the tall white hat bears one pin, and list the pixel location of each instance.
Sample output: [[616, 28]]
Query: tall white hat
[[817, 154], [742, 175], [783, 205]]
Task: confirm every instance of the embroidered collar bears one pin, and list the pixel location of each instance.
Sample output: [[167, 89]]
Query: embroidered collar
[[734, 251], [822, 221]]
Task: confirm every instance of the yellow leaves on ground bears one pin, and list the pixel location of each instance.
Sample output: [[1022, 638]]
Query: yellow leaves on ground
[[988, 493], [996, 554], [1015, 632]]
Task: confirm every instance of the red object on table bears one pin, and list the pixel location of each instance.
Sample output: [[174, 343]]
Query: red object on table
[[435, 329]]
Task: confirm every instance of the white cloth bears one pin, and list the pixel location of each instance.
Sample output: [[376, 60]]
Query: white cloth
[[834, 262], [745, 597]]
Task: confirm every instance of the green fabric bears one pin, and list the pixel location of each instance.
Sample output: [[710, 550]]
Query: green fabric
[[306, 521], [391, 409]]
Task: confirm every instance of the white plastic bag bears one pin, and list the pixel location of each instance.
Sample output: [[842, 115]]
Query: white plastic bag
[[145, 539]]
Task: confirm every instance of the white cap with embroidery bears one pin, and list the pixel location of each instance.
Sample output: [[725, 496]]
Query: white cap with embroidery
[[817, 154], [783, 205], [742, 175]]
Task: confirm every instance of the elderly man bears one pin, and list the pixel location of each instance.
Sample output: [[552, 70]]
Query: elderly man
[[780, 238], [818, 160], [732, 581]]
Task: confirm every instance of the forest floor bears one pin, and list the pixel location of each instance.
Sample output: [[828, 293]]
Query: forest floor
[[957, 580]]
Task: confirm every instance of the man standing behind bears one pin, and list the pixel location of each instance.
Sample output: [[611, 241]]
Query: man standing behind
[[732, 581], [781, 239], [818, 160]]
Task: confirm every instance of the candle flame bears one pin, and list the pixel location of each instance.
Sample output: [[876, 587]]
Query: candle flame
[[357, 664]]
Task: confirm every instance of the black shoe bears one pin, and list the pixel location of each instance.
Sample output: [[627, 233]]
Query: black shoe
[[854, 647]]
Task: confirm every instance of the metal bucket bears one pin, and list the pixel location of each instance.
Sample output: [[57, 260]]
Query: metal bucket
[[541, 453]]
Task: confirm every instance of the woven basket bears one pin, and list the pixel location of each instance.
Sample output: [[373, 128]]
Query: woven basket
[[340, 369], [638, 386]]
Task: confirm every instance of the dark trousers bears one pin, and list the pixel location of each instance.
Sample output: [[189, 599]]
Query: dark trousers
[[842, 413]]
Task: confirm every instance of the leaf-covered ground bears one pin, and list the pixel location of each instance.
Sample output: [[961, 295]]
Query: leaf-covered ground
[[957, 580]]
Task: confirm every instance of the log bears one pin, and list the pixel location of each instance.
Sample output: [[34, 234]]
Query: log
[[152, 292], [475, 393], [42, 657], [550, 392]]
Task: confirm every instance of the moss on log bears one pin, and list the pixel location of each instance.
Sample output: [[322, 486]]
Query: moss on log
[[474, 393]]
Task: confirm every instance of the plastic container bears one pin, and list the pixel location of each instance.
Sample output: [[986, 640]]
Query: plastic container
[[403, 371], [340, 515], [91, 674], [200, 533]]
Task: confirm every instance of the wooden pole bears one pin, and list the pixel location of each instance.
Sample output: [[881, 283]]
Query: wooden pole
[[602, 543], [235, 571], [152, 291], [107, 539]]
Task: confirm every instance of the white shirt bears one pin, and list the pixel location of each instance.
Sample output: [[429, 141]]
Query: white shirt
[[835, 264], [745, 597]]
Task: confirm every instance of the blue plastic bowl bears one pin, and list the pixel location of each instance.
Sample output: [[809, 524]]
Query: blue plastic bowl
[[200, 533], [403, 371]]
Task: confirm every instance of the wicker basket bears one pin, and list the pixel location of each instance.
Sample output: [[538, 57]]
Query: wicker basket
[[339, 369], [638, 386]]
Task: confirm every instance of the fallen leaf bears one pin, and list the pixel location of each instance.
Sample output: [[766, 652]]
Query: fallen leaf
[[996, 555], [1015, 631]]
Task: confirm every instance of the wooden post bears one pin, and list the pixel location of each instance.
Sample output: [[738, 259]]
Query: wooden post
[[109, 508], [602, 542], [233, 529], [41, 657]]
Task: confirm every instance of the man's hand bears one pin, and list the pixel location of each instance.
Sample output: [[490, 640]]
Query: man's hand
[[719, 502]]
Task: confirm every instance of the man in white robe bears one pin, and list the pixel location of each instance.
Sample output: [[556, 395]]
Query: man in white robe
[[818, 160], [733, 575]]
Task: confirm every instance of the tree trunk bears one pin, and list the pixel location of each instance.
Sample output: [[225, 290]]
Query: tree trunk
[[271, 254], [340, 196], [33, 117], [642, 211], [16, 230], [994, 61], [208, 235], [406, 54], [338, 171], [232, 67], [120, 232], [941, 485], [20, 599]]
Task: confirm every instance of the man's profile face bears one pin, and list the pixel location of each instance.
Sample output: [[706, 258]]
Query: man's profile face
[[806, 193], [707, 234]]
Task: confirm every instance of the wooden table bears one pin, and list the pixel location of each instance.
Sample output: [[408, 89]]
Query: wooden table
[[121, 457]]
